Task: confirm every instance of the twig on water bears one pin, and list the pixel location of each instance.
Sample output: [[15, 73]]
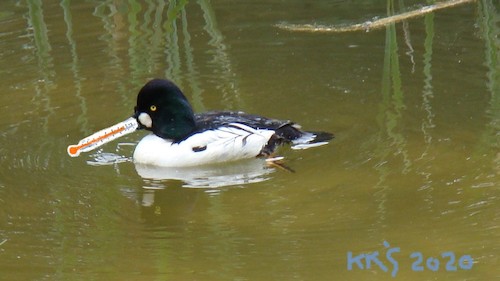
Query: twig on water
[[368, 25], [3, 242]]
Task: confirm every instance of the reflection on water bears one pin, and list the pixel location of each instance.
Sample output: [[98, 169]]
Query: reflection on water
[[82, 121], [490, 27], [208, 176], [415, 162], [158, 36], [427, 92], [239, 173]]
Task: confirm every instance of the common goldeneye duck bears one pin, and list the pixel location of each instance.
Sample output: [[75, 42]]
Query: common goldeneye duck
[[182, 138]]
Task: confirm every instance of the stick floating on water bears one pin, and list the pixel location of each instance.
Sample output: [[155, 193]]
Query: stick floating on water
[[372, 24]]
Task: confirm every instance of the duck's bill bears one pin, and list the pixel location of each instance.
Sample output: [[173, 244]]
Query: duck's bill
[[104, 136]]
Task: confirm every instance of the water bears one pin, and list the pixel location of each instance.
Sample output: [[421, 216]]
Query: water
[[415, 162]]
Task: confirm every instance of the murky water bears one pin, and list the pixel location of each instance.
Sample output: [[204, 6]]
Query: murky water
[[415, 164]]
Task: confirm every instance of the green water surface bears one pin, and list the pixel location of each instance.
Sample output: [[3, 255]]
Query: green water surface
[[415, 107]]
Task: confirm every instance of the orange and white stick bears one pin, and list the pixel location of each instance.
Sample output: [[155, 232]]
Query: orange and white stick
[[103, 136]]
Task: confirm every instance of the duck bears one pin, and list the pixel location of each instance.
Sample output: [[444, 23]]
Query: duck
[[181, 138]]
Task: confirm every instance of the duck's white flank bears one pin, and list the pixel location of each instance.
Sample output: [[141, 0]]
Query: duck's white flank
[[231, 142]]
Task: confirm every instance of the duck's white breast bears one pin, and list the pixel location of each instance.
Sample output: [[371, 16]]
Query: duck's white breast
[[233, 142]]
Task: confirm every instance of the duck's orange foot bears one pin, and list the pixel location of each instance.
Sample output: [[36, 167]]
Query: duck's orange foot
[[278, 162]]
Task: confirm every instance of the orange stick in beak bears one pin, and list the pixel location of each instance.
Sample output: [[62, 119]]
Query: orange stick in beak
[[103, 136]]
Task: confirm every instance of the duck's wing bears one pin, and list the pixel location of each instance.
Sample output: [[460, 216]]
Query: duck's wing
[[285, 131], [214, 119]]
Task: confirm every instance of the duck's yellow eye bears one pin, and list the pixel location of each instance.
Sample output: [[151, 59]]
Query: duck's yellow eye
[[153, 107]]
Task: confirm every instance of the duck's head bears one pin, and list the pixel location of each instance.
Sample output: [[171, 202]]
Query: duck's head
[[163, 109]]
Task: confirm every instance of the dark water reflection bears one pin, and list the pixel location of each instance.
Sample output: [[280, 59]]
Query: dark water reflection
[[414, 106]]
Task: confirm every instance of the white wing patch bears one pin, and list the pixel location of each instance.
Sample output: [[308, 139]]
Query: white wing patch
[[231, 142]]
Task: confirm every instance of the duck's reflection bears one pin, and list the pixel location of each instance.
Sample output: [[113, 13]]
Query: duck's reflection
[[241, 172], [171, 207], [170, 196], [163, 188], [213, 176]]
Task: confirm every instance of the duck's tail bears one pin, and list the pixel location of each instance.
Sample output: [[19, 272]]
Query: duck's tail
[[299, 139], [292, 134], [311, 139]]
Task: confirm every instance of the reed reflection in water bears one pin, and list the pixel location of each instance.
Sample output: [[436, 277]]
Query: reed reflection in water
[[415, 161]]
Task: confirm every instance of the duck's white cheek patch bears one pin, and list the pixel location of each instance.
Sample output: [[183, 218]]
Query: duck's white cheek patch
[[145, 120]]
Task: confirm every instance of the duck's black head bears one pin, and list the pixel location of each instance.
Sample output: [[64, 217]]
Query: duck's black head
[[163, 109]]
